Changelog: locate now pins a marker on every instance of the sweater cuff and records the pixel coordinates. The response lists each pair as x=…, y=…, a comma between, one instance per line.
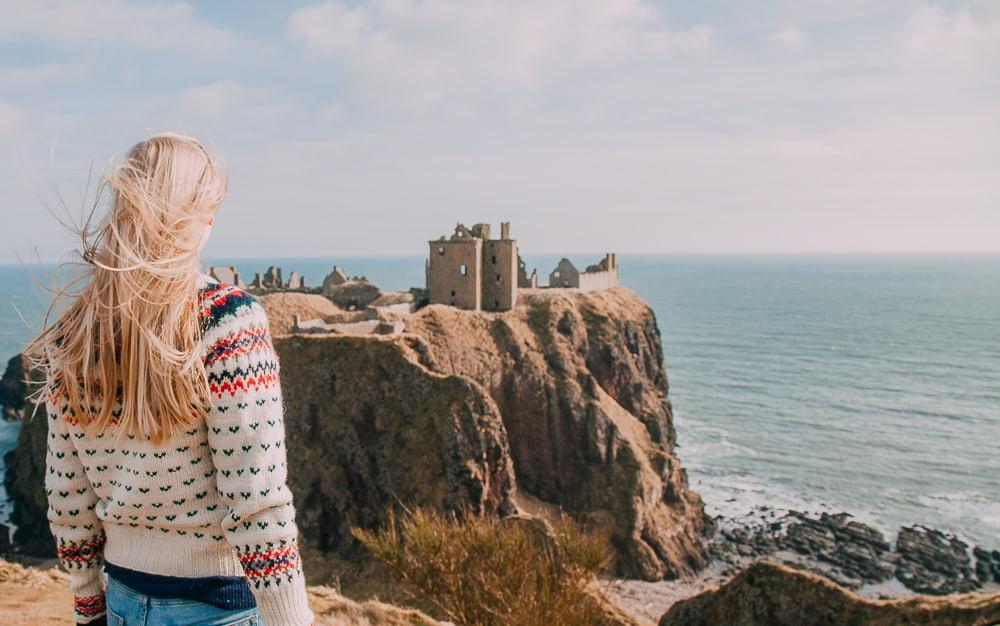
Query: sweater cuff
x=88, y=597
x=90, y=609
x=286, y=604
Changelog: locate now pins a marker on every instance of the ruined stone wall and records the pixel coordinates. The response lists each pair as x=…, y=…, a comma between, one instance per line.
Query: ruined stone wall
x=499, y=274
x=446, y=283
x=593, y=281
x=564, y=275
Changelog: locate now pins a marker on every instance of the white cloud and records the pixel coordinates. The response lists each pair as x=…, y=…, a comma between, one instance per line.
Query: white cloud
x=10, y=118
x=967, y=32
x=213, y=100
x=809, y=150
x=107, y=22
x=791, y=37
x=47, y=73
x=432, y=51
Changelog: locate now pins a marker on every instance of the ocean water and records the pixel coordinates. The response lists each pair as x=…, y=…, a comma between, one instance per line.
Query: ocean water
x=869, y=384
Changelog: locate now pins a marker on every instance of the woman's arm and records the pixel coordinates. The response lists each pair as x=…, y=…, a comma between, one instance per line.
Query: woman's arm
x=78, y=531
x=246, y=435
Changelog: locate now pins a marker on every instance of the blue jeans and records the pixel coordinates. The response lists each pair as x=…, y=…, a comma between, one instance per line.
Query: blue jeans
x=128, y=607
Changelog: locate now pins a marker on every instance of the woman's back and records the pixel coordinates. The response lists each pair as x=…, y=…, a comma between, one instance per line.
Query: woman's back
x=165, y=456
x=210, y=501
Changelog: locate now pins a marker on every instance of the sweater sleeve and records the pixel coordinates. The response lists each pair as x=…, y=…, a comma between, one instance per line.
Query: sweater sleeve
x=78, y=532
x=246, y=436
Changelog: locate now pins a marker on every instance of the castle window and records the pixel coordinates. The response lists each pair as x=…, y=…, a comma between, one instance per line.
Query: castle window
x=498, y=278
x=463, y=269
x=440, y=249
x=496, y=304
x=452, y=293
x=494, y=259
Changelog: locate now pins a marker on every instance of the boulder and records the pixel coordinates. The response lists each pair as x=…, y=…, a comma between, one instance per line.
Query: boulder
x=931, y=561
x=768, y=594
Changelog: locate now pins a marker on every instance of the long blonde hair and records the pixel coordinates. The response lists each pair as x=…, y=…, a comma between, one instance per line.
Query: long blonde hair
x=125, y=353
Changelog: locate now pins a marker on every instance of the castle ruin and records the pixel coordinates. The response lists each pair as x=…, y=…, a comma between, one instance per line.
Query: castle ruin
x=600, y=276
x=471, y=271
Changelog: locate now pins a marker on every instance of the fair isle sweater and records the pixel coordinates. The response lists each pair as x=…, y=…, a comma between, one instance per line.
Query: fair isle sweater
x=211, y=501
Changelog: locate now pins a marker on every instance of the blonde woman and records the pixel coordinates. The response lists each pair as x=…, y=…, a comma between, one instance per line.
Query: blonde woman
x=166, y=463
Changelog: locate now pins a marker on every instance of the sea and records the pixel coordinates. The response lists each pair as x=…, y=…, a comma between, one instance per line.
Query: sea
x=861, y=383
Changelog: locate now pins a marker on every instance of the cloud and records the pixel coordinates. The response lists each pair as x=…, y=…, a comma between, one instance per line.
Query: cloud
x=967, y=32
x=10, y=118
x=809, y=150
x=108, y=22
x=215, y=99
x=48, y=73
x=432, y=51
x=791, y=37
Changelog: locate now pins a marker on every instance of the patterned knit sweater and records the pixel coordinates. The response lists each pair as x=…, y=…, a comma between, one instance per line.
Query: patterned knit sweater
x=211, y=501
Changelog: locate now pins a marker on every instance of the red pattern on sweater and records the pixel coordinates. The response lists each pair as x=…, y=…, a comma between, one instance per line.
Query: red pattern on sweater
x=243, y=342
x=84, y=552
x=90, y=606
x=244, y=383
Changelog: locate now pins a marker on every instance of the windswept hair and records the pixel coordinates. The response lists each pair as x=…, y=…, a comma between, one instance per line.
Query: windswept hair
x=126, y=352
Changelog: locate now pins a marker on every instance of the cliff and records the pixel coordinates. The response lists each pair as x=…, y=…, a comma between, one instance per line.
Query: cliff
x=559, y=403
x=768, y=594
x=579, y=381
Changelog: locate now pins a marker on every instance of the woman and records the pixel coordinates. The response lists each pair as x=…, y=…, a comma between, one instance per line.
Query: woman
x=166, y=461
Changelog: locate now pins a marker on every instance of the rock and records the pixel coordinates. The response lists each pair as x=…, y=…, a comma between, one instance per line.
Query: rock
x=24, y=480
x=13, y=389
x=933, y=562
x=352, y=295
x=769, y=594
x=283, y=306
x=987, y=564
x=858, y=551
x=582, y=390
x=370, y=427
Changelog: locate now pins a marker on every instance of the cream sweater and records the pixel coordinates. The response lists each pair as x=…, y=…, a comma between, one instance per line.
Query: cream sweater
x=211, y=501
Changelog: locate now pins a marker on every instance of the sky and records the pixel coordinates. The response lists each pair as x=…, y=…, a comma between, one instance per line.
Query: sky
x=353, y=128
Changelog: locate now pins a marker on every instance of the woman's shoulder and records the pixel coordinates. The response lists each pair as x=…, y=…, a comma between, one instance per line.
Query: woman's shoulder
x=223, y=303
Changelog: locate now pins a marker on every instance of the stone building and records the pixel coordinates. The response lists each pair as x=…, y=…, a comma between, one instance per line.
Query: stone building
x=227, y=274
x=471, y=271
x=599, y=276
x=523, y=280
x=337, y=277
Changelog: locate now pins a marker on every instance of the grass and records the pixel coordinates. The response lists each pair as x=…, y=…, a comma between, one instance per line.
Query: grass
x=483, y=572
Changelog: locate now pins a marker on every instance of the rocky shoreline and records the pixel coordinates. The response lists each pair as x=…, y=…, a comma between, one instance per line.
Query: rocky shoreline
x=859, y=557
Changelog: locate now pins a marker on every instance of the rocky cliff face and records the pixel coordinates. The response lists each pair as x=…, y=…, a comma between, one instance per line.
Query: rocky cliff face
x=559, y=403
x=369, y=427
x=579, y=382
x=24, y=466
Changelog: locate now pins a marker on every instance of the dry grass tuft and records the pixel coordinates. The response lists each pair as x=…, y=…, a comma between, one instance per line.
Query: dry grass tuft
x=481, y=572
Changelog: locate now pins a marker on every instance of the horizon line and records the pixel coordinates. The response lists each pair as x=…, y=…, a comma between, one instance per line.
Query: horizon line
x=758, y=253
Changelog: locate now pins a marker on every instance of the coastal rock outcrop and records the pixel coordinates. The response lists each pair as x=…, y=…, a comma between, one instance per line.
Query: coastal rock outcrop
x=932, y=562
x=13, y=389
x=369, y=427
x=768, y=594
x=580, y=383
x=853, y=554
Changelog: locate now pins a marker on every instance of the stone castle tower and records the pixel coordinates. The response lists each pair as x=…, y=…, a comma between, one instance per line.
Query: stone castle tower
x=471, y=271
